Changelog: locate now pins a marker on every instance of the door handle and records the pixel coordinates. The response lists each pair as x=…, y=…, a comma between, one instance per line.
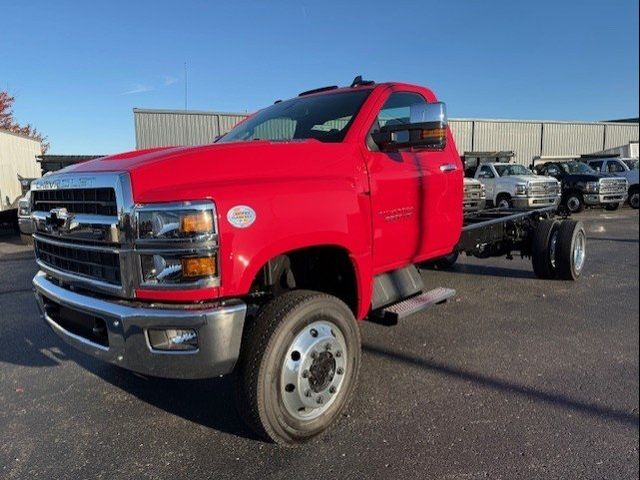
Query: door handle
x=448, y=167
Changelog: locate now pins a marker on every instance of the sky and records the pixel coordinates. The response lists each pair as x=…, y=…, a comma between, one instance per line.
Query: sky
x=77, y=69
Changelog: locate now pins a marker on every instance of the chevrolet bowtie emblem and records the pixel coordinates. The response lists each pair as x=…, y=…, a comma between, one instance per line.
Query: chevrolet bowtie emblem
x=58, y=221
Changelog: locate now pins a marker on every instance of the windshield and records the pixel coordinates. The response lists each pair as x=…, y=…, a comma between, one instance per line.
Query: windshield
x=510, y=169
x=576, y=167
x=324, y=117
x=631, y=163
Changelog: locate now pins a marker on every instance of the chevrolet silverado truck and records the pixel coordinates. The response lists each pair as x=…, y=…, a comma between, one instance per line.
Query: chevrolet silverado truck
x=259, y=254
x=620, y=167
x=581, y=185
x=512, y=185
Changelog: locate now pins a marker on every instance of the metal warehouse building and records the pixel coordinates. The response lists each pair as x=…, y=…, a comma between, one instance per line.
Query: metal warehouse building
x=17, y=157
x=527, y=138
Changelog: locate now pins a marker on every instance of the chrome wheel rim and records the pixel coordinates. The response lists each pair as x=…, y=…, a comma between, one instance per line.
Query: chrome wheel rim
x=634, y=200
x=313, y=370
x=503, y=204
x=579, y=251
x=573, y=204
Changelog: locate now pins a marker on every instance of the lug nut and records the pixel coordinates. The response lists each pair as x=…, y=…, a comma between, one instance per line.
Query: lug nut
x=314, y=332
x=327, y=346
x=340, y=371
x=305, y=374
x=338, y=354
x=332, y=390
x=307, y=393
x=319, y=400
x=313, y=355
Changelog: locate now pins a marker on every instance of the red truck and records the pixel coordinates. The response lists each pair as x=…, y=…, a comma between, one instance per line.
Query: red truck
x=259, y=253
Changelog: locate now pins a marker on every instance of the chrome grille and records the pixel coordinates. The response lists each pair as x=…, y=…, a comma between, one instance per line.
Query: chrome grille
x=613, y=186
x=473, y=192
x=99, y=264
x=96, y=201
x=544, y=189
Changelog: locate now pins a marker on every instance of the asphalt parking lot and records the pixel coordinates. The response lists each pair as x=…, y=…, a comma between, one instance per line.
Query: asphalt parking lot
x=514, y=378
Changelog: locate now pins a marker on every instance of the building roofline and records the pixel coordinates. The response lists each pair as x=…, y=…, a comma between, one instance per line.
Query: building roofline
x=463, y=119
x=20, y=135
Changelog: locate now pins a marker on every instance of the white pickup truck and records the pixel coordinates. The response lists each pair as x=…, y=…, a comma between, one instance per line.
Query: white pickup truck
x=621, y=167
x=510, y=185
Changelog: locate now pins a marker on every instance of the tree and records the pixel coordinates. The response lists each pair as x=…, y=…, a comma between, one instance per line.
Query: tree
x=7, y=122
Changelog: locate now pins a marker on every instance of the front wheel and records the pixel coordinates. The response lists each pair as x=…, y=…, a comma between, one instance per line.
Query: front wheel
x=634, y=198
x=504, y=201
x=610, y=207
x=298, y=366
x=574, y=202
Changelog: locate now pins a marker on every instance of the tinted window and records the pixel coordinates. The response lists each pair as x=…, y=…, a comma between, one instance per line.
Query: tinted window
x=615, y=167
x=509, y=169
x=486, y=172
x=596, y=165
x=325, y=117
x=397, y=110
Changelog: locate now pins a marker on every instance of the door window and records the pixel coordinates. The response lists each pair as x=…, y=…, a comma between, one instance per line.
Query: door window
x=615, y=167
x=399, y=109
x=486, y=172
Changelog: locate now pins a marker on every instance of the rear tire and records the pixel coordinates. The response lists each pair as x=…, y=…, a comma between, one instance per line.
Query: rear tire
x=543, y=249
x=574, y=202
x=298, y=366
x=610, y=207
x=571, y=250
x=444, y=263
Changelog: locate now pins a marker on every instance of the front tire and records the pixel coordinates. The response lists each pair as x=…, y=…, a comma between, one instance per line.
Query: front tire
x=504, y=201
x=574, y=202
x=634, y=198
x=298, y=366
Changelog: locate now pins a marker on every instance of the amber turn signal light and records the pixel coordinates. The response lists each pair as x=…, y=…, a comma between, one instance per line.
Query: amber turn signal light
x=200, y=222
x=198, y=266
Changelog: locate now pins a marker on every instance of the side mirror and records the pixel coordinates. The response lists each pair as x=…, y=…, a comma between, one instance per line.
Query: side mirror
x=427, y=128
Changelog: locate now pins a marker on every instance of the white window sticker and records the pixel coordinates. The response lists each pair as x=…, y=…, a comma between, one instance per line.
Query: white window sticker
x=241, y=216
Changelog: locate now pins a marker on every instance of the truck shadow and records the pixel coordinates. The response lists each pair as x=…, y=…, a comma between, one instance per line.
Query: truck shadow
x=488, y=270
x=555, y=399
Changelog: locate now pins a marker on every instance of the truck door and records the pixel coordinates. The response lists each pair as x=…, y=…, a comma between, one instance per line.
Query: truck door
x=487, y=176
x=416, y=194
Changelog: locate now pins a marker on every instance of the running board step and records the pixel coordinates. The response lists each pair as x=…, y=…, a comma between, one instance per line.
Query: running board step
x=393, y=313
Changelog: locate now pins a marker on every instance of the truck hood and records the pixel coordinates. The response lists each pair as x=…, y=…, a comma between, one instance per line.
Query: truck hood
x=176, y=173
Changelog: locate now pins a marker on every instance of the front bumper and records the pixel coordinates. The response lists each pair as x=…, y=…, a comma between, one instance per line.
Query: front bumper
x=470, y=206
x=219, y=329
x=26, y=225
x=597, y=199
x=535, y=202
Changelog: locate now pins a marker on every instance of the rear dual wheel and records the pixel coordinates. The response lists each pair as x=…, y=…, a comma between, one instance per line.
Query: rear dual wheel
x=298, y=366
x=558, y=249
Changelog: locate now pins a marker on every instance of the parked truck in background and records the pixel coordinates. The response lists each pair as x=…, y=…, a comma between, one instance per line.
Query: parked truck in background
x=511, y=185
x=581, y=185
x=258, y=254
x=620, y=167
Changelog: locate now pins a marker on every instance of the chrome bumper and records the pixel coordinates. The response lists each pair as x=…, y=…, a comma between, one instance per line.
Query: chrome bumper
x=536, y=202
x=219, y=332
x=597, y=199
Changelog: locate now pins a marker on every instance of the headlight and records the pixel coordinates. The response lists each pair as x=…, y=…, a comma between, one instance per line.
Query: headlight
x=23, y=209
x=177, y=244
x=521, y=189
x=592, y=187
x=176, y=222
x=177, y=268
